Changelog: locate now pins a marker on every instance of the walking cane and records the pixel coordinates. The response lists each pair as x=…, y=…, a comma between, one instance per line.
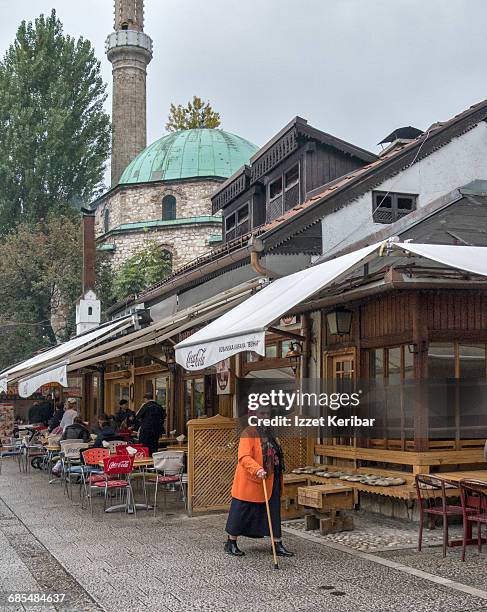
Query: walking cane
x=276, y=566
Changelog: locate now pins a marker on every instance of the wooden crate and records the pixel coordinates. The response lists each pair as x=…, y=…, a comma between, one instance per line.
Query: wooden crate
x=290, y=507
x=326, y=497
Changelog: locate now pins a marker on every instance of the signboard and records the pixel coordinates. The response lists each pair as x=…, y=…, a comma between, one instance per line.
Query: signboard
x=224, y=380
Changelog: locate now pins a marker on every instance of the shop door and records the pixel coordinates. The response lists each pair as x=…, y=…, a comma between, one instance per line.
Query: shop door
x=343, y=369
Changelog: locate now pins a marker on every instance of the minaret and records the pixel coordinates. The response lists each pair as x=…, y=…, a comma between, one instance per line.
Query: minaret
x=129, y=50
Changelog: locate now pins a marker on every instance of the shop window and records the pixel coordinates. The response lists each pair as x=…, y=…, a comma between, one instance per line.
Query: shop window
x=194, y=398
x=168, y=208
x=441, y=360
x=456, y=360
x=271, y=351
x=391, y=365
x=471, y=359
x=390, y=207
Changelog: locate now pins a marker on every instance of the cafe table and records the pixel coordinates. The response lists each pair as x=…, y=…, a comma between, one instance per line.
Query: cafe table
x=455, y=477
x=139, y=462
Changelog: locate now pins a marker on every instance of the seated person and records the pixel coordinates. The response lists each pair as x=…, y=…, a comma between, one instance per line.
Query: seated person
x=55, y=420
x=76, y=431
x=124, y=418
x=106, y=431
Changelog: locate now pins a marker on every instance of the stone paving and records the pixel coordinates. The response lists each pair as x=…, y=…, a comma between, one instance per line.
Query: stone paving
x=118, y=562
x=373, y=533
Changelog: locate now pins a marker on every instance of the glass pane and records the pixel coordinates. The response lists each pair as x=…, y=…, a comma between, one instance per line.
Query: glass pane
x=188, y=386
x=292, y=176
x=408, y=364
x=441, y=360
x=394, y=364
x=472, y=360
x=377, y=364
x=271, y=350
x=383, y=201
x=285, y=347
x=275, y=188
x=405, y=203
x=199, y=397
x=148, y=387
x=161, y=385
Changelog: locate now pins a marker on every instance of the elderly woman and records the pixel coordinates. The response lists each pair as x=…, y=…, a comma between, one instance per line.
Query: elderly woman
x=260, y=458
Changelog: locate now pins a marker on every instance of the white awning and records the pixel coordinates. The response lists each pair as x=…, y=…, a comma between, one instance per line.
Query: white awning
x=166, y=328
x=57, y=357
x=56, y=373
x=243, y=328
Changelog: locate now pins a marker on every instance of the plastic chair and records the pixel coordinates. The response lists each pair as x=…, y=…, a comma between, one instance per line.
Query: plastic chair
x=71, y=462
x=473, y=494
x=112, y=445
x=167, y=470
x=432, y=501
x=114, y=467
x=91, y=471
x=11, y=449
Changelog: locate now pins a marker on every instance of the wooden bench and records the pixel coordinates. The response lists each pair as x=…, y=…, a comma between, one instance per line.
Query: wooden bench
x=325, y=505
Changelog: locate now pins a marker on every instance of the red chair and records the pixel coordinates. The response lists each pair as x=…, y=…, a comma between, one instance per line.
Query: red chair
x=473, y=494
x=115, y=467
x=91, y=471
x=433, y=502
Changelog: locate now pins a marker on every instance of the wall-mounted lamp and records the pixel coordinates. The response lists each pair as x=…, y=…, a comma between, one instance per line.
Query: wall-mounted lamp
x=294, y=355
x=339, y=321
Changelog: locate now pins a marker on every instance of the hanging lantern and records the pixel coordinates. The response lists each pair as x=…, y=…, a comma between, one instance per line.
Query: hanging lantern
x=294, y=355
x=339, y=321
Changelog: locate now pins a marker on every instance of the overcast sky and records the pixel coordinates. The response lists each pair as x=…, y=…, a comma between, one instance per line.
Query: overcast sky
x=354, y=68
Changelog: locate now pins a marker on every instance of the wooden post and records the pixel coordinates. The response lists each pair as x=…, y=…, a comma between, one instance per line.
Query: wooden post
x=420, y=341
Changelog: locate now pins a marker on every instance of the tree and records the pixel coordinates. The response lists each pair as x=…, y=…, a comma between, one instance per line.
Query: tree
x=40, y=277
x=54, y=133
x=149, y=265
x=196, y=114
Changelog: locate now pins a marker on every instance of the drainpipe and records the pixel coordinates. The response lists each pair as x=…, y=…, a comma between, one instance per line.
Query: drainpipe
x=256, y=247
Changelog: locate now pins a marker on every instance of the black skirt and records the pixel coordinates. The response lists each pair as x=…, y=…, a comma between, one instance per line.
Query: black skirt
x=249, y=519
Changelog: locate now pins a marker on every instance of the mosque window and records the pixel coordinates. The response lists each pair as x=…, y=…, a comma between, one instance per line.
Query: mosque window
x=106, y=220
x=168, y=208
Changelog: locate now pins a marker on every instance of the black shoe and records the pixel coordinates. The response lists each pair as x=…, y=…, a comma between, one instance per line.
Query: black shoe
x=282, y=551
x=231, y=548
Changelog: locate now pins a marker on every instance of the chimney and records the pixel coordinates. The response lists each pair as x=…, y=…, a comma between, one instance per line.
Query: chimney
x=88, y=307
x=398, y=138
x=88, y=251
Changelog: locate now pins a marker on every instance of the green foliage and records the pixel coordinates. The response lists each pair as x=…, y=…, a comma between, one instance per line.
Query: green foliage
x=196, y=114
x=40, y=277
x=145, y=268
x=54, y=133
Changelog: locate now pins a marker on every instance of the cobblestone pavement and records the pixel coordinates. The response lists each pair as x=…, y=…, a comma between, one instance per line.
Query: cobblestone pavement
x=118, y=563
x=373, y=533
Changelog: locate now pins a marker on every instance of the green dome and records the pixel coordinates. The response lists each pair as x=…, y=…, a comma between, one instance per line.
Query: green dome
x=188, y=154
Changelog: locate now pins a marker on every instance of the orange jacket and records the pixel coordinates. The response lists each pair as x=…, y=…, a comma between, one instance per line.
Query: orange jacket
x=246, y=485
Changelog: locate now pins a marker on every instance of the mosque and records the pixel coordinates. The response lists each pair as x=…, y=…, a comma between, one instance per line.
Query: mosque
x=162, y=191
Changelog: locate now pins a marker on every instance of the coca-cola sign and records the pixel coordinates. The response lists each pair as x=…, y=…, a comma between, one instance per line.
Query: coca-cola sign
x=121, y=464
x=196, y=359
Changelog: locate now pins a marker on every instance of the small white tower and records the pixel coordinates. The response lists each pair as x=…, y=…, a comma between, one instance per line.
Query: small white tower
x=88, y=307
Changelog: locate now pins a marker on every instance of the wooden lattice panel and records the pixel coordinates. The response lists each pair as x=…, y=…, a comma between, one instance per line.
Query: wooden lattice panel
x=212, y=458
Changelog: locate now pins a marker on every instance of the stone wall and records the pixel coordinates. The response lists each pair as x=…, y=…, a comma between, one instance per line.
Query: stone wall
x=185, y=243
x=140, y=203
x=136, y=203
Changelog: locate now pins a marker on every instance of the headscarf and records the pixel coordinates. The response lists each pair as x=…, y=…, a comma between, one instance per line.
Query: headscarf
x=272, y=454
